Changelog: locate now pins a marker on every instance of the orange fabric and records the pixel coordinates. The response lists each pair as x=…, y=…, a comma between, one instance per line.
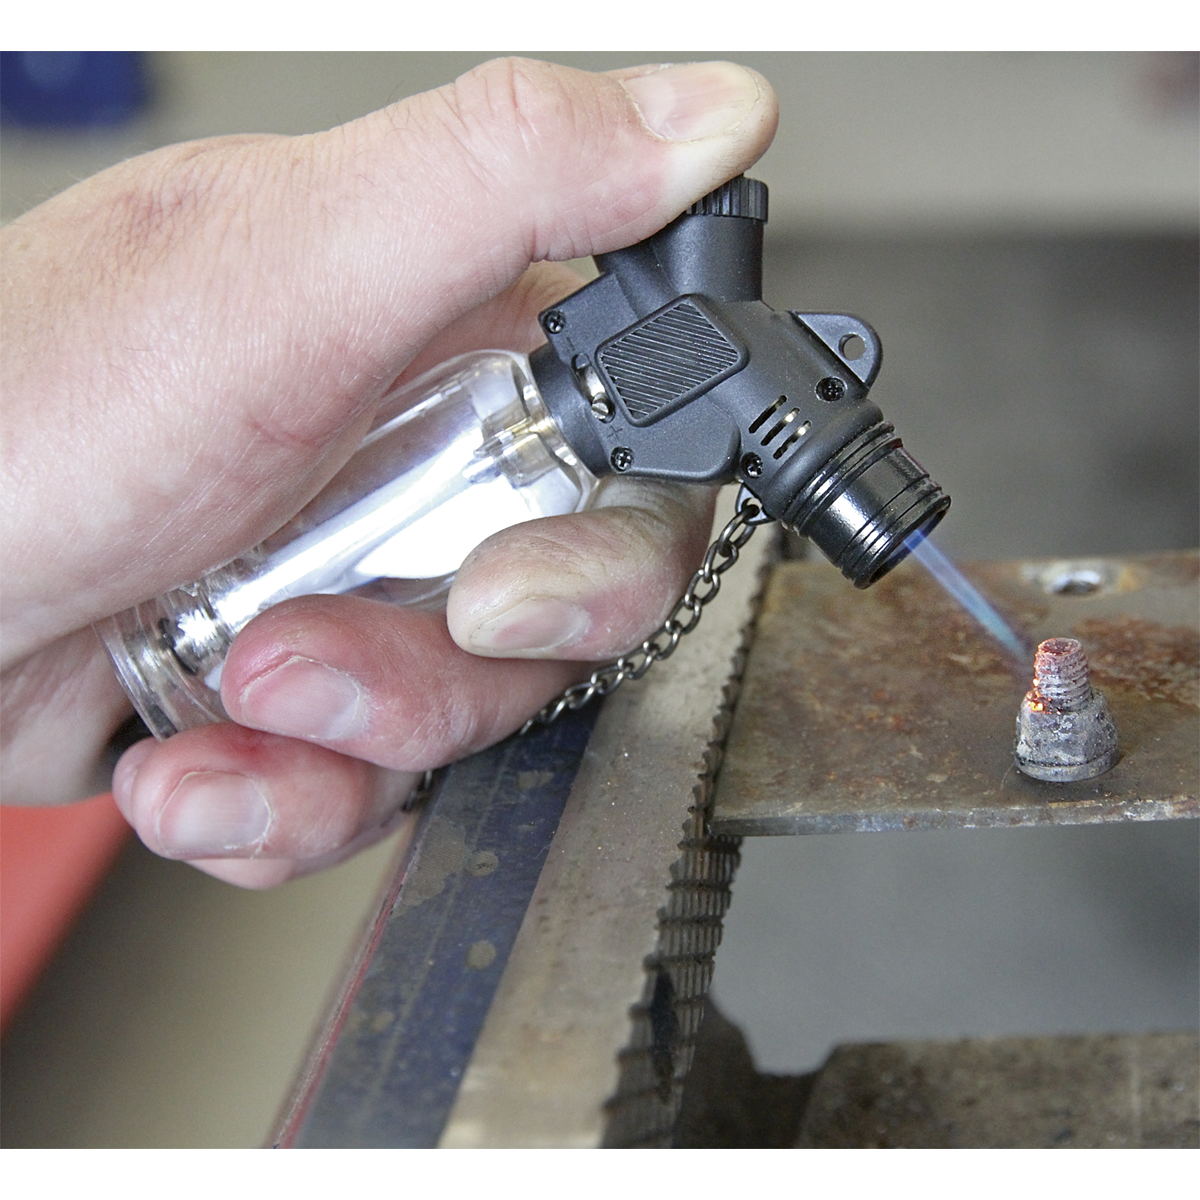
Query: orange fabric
x=51, y=860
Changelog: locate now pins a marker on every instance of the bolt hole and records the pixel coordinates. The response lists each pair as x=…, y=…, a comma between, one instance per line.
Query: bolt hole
x=1076, y=583
x=852, y=347
x=752, y=466
x=831, y=389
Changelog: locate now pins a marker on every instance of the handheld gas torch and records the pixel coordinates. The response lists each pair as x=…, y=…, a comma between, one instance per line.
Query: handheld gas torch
x=668, y=366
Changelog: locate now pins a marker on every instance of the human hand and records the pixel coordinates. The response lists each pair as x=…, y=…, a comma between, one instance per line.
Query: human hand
x=196, y=341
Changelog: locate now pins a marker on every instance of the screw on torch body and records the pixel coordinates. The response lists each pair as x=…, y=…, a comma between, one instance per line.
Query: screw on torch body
x=1065, y=731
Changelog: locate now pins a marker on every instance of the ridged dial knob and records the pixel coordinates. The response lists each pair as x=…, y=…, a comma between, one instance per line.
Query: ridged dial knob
x=740, y=197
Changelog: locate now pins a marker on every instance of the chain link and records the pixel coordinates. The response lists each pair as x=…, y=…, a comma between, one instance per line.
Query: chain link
x=705, y=585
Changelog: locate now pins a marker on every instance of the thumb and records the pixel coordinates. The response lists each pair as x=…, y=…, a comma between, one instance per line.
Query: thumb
x=518, y=161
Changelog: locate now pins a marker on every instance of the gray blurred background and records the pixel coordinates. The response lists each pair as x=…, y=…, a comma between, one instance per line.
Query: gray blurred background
x=1022, y=231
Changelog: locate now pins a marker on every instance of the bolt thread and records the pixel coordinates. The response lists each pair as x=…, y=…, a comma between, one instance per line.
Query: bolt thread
x=1060, y=675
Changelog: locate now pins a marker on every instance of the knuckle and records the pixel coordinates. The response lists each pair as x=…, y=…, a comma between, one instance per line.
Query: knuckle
x=513, y=119
x=507, y=103
x=442, y=731
x=160, y=202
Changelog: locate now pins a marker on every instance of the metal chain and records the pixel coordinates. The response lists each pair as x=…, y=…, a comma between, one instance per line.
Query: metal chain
x=705, y=585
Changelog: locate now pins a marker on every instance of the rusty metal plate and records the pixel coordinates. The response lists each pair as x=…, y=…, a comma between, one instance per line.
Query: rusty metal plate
x=891, y=709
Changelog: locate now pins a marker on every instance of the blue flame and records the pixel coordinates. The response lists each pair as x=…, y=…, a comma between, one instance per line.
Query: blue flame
x=965, y=592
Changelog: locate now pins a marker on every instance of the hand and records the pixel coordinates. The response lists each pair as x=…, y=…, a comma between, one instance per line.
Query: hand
x=195, y=342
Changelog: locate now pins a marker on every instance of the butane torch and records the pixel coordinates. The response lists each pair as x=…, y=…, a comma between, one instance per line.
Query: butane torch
x=667, y=366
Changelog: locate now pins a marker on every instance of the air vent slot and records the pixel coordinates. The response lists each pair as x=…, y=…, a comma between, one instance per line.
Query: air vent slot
x=790, y=422
x=780, y=426
x=766, y=413
x=792, y=439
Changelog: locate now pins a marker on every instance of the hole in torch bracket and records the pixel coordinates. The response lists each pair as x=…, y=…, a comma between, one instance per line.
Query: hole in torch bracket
x=852, y=347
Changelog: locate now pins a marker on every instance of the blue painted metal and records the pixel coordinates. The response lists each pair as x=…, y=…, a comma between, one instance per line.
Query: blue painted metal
x=387, y=1070
x=73, y=89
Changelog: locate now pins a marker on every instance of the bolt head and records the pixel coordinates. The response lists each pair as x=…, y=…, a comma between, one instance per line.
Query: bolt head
x=831, y=389
x=554, y=321
x=621, y=458
x=752, y=466
x=1065, y=747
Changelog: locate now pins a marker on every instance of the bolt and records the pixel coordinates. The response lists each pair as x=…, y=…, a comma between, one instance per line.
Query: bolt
x=591, y=383
x=752, y=466
x=1064, y=731
x=554, y=321
x=831, y=389
x=621, y=458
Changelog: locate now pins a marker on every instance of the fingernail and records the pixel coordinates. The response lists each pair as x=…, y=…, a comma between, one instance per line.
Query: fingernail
x=213, y=813
x=126, y=771
x=694, y=100
x=532, y=625
x=305, y=699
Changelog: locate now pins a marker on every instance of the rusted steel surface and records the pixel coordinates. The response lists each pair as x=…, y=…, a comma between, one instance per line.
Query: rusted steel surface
x=890, y=709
